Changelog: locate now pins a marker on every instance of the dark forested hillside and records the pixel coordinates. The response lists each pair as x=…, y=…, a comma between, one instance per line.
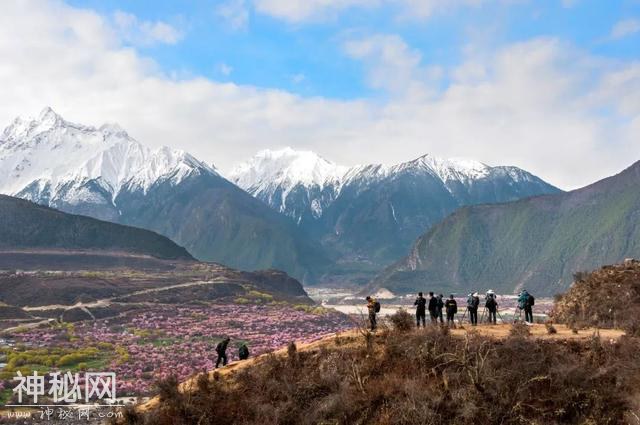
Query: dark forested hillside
x=24, y=224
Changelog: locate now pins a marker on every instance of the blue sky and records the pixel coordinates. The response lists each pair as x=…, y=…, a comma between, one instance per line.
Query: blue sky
x=306, y=56
x=552, y=86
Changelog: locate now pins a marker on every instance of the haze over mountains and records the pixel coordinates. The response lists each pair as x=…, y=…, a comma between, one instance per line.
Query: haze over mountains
x=537, y=243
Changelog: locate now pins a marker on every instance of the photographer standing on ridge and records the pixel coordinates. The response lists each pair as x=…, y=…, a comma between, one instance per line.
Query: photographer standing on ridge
x=452, y=308
x=526, y=301
x=491, y=305
x=421, y=306
x=374, y=307
x=472, y=305
x=433, y=308
x=440, y=307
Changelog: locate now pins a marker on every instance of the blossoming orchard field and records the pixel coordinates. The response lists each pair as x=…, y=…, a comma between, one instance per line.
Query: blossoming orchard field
x=144, y=346
x=144, y=321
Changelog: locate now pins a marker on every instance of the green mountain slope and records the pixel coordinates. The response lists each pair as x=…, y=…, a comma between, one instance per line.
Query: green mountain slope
x=537, y=243
x=24, y=224
x=217, y=221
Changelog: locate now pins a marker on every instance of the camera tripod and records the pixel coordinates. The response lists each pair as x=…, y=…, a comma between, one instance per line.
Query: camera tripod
x=497, y=313
x=517, y=315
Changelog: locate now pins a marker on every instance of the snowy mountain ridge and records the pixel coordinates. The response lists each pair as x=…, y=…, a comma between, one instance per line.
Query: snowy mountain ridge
x=371, y=214
x=273, y=175
x=50, y=157
x=286, y=167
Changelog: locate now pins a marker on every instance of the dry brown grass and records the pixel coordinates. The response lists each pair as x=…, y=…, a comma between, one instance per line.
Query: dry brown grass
x=422, y=377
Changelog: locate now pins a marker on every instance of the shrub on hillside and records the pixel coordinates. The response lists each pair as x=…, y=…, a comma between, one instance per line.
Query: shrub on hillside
x=519, y=330
x=606, y=298
x=402, y=320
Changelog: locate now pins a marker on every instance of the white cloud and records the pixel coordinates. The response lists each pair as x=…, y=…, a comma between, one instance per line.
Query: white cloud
x=303, y=10
x=235, y=12
x=625, y=28
x=536, y=104
x=144, y=33
x=313, y=10
x=394, y=66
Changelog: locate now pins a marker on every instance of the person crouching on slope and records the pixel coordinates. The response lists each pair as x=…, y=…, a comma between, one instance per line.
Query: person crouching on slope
x=221, y=350
x=374, y=307
x=421, y=306
x=243, y=352
x=451, y=306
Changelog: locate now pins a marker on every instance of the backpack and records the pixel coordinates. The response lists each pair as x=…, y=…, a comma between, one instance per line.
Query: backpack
x=491, y=302
x=476, y=302
x=376, y=307
x=531, y=301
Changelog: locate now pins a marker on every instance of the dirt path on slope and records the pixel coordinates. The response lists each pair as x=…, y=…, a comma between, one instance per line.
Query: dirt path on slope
x=499, y=331
x=105, y=302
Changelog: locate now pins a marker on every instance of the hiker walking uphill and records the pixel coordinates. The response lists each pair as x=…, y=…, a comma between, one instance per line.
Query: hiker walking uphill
x=526, y=301
x=421, y=307
x=491, y=305
x=433, y=308
x=451, y=306
x=374, y=308
x=440, y=307
x=473, y=301
x=221, y=350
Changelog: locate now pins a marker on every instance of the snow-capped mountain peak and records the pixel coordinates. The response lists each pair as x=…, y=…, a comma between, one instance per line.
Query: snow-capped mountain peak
x=448, y=169
x=23, y=127
x=286, y=167
x=300, y=184
x=58, y=154
x=278, y=175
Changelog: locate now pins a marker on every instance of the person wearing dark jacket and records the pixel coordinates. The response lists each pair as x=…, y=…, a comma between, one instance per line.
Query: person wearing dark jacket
x=371, y=307
x=525, y=302
x=221, y=350
x=440, y=308
x=243, y=352
x=472, y=305
x=491, y=305
x=433, y=308
x=451, y=306
x=421, y=306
